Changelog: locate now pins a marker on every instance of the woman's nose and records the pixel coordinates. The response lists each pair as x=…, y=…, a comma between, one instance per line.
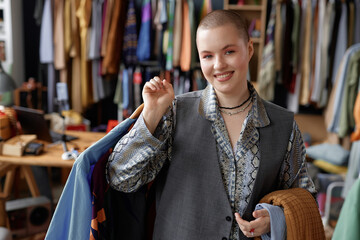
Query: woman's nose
x=219, y=63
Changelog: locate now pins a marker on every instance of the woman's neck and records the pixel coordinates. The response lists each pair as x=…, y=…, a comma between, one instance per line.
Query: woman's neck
x=233, y=100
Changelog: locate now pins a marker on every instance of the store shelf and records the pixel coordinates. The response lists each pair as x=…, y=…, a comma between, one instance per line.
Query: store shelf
x=246, y=7
x=256, y=40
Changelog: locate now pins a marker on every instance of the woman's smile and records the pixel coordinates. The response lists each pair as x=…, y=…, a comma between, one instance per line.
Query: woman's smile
x=222, y=77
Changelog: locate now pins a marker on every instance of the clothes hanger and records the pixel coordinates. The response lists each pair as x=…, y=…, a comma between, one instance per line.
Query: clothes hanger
x=137, y=112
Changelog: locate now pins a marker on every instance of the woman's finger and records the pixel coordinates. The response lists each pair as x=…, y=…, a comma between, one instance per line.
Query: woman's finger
x=155, y=83
x=150, y=85
x=241, y=221
x=245, y=226
x=251, y=233
x=261, y=213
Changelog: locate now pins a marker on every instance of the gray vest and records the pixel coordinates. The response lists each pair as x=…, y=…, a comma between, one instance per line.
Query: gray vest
x=191, y=199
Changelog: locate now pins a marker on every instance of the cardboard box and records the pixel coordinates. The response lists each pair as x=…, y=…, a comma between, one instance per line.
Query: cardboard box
x=15, y=146
x=5, y=129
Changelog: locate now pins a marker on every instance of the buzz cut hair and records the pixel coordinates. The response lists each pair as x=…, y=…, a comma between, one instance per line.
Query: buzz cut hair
x=222, y=17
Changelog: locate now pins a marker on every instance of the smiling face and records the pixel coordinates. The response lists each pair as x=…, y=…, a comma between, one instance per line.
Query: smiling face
x=224, y=58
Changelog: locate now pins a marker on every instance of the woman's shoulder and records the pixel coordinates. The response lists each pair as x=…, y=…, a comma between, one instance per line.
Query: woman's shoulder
x=278, y=114
x=272, y=107
x=188, y=103
x=189, y=95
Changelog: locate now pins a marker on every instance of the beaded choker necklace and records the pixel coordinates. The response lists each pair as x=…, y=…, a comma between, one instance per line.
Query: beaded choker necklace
x=242, y=104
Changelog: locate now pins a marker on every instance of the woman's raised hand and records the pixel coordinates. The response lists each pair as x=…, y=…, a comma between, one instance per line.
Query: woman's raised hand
x=158, y=96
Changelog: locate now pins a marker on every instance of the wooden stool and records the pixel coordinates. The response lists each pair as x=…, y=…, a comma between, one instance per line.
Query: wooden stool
x=9, y=170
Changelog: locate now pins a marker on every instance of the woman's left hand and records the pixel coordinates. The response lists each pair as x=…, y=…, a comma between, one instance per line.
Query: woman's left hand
x=257, y=227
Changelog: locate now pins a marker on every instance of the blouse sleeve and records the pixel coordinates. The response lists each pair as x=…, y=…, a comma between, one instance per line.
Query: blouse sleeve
x=294, y=170
x=139, y=156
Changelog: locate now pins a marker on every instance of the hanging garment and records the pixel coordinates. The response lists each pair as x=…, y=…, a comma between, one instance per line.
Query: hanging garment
x=108, y=8
x=266, y=81
x=170, y=39
x=287, y=64
x=321, y=44
x=130, y=36
x=111, y=61
x=95, y=30
x=130, y=107
x=353, y=168
x=143, y=51
x=323, y=68
x=160, y=20
x=314, y=30
x=333, y=111
x=116, y=215
x=351, y=86
x=341, y=42
x=356, y=134
x=118, y=95
x=278, y=36
x=47, y=52
x=83, y=13
x=206, y=7
x=46, y=35
x=193, y=27
x=38, y=11
x=351, y=22
x=306, y=59
x=357, y=22
x=334, y=31
x=75, y=54
x=118, y=89
x=137, y=80
x=67, y=29
x=125, y=88
x=73, y=211
x=347, y=226
x=293, y=98
x=178, y=26
x=51, y=82
x=59, y=53
x=94, y=50
x=185, y=55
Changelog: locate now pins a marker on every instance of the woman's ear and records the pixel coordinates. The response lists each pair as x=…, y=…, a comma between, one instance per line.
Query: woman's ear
x=250, y=49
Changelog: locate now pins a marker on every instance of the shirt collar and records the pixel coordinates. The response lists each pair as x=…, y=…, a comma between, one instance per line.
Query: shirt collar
x=208, y=107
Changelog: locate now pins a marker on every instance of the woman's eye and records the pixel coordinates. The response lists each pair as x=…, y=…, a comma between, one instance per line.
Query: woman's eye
x=207, y=56
x=229, y=52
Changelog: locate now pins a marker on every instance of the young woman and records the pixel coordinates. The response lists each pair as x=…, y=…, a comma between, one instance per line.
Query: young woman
x=213, y=153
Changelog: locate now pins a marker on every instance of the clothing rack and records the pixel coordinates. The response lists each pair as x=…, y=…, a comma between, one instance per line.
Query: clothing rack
x=315, y=38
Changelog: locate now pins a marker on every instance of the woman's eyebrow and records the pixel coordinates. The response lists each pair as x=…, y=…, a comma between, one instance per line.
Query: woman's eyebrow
x=227, y=46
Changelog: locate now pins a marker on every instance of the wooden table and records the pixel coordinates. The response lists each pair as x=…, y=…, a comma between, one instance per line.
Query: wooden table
x=51, y=157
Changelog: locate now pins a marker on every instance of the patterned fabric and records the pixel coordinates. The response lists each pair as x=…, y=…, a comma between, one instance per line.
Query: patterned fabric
x=130, y=36
x=144, y=155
